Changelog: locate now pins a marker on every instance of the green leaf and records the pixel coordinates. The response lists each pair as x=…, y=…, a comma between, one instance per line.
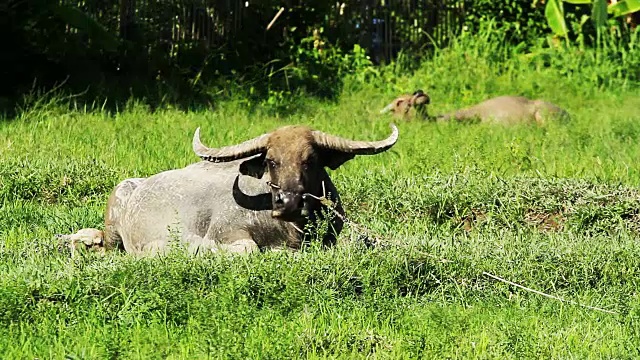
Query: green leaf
x=624, y=7
x=578, y=2
x=584, y=19
x=599, y=13
x=555, y=17
x=76, y=18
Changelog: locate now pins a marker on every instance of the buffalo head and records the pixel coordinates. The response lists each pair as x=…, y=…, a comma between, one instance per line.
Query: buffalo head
x=401, y=105
x=294, y=158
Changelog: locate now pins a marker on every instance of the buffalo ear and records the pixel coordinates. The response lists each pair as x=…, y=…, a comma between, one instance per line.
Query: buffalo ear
x=333, y=159
x=254, y=167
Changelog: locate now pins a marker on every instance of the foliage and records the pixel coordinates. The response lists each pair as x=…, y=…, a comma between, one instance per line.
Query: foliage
x=318, y=67
x=522, y=20
x=179, y=53
x=554, y=12
x=94, y=51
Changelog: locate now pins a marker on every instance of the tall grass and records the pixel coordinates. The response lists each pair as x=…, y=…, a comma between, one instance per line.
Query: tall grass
x=553, y=207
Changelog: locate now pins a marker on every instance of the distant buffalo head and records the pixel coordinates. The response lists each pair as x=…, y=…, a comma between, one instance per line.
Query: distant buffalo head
x=294, y=157
x=401, y=105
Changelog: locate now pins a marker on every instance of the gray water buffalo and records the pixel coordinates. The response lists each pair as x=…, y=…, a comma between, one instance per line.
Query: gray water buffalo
x=403, y=105
x=507, y=110
x=261, y=193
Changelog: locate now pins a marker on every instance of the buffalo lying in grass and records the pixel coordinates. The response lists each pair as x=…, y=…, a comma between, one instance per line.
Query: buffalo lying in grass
x=508, y=110
x=261, y=193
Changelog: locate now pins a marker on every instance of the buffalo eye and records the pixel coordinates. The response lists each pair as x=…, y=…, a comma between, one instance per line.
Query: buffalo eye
x=272, y=163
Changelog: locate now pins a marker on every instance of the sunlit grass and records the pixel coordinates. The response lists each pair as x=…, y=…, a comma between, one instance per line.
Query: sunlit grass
x=555, y=208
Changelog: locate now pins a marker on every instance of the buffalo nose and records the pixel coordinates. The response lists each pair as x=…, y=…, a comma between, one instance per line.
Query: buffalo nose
x=288, y=201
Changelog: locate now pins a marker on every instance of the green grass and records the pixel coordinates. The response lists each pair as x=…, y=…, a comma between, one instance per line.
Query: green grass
x=555, y=208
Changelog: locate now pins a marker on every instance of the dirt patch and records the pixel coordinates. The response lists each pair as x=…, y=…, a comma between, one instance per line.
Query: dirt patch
x=545, y=222
x=474, y=219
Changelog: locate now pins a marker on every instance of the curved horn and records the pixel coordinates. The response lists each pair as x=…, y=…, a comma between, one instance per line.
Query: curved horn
x=355, y=147
x=231, y=152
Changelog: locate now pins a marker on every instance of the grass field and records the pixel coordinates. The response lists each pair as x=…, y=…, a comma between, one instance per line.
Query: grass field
x=555, y=208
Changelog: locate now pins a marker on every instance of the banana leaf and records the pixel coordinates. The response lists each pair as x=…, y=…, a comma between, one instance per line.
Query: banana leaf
x=599, y=13
x=555, y=17
x=624, y=7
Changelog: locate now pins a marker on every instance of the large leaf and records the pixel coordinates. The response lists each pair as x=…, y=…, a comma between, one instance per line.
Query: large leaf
x=555, y=17
x=74, y=17
x=624, y=7
x=578, y=2
x=599, y=13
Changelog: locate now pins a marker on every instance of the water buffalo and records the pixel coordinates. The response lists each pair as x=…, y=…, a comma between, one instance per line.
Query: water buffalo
x=507, y=110
x=402, y=105
x=261, y=193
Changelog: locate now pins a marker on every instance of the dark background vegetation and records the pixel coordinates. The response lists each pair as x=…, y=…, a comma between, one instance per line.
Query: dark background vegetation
x=191, y=53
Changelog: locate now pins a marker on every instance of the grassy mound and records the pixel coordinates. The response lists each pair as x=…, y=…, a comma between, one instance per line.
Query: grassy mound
x=555, y=208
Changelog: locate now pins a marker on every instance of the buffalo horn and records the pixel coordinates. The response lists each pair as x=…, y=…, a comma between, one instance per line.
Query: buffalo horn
x=355, y=147
x=231, y=152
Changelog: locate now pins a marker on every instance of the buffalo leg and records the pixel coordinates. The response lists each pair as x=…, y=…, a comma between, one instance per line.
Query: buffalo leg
x=114, y=211
x=238, y=241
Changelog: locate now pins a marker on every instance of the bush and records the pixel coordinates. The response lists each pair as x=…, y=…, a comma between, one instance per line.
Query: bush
x=522, y=20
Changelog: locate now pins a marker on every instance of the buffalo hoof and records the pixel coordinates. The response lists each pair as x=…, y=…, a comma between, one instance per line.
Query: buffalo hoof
x=85, y=239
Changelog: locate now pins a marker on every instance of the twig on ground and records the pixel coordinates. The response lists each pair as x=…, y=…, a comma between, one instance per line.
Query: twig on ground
x=547, y=295
x=275, y=18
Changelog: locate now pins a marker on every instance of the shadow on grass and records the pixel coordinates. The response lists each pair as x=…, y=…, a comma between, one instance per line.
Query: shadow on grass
x=111, y=91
